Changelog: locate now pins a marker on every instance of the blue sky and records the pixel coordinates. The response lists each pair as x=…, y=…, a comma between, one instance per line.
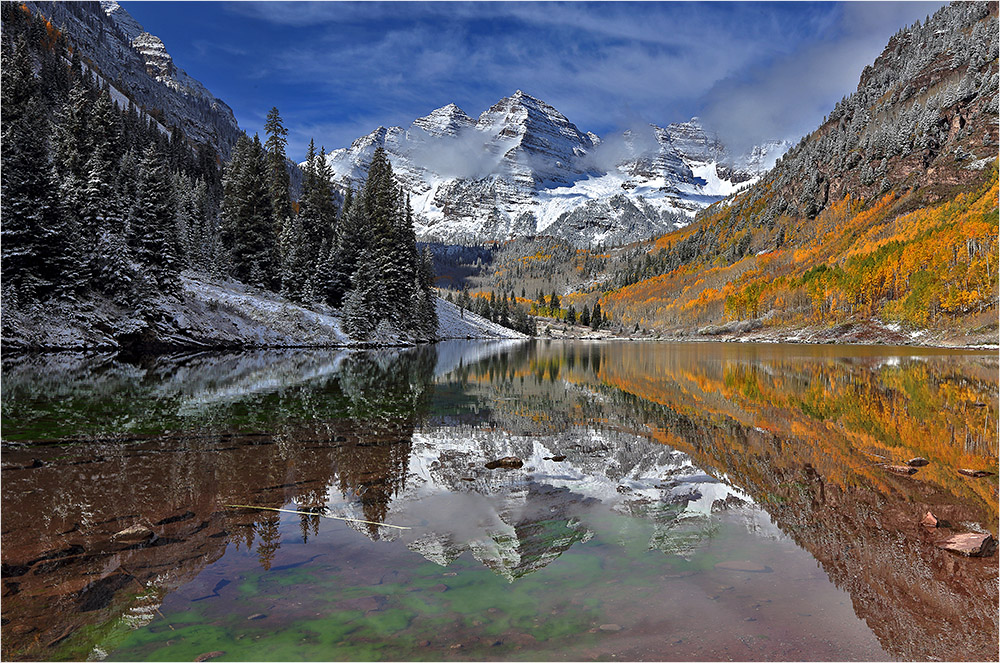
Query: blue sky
x=337, y=70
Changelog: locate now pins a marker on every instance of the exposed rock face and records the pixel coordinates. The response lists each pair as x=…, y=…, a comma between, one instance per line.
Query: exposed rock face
x=524, y=169
x=924, y=116
x=138, y=67
x=972, y=544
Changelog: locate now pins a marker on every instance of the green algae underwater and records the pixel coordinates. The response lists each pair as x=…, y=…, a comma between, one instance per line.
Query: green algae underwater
x=675, y=502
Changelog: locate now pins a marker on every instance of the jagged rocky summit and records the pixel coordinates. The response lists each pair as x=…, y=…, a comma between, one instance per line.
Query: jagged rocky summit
x=522, y=169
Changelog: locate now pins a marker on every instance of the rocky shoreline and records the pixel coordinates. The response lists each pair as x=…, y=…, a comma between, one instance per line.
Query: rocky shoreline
x=855, y=333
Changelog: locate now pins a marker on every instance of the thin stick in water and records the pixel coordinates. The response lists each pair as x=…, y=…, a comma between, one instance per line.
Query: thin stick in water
x=310, y=513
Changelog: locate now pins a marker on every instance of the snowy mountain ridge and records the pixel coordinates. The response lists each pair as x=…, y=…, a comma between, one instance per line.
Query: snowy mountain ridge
x=522, y=168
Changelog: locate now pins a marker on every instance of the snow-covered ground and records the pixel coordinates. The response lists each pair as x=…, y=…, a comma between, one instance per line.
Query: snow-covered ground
x=210, y=313
x=453, y=324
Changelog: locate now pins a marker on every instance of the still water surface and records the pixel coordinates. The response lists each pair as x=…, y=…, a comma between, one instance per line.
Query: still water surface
x=676, y=502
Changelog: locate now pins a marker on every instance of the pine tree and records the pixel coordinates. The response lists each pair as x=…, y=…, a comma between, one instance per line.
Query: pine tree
x=585, y=316
x=396, y=293
x=34, y=240
x=317, y=220
x=278, y=180
x=596, y=319
x=363, y=303
x=428, y=299
x=294, y=267
x=70, y=145
x=153, y=223
x=248, y=230
x=349, y=243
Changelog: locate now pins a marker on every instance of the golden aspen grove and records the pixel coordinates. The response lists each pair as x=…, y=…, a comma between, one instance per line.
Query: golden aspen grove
x=926, y=267
x=883, y=218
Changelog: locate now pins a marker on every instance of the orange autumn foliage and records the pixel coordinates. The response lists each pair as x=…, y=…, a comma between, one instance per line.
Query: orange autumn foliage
x=920, y=268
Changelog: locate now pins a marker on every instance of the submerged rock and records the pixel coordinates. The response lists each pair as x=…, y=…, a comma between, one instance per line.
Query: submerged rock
x=974, y=473
x=610, y=627
x=898, y=469
x=133, y=534
x=508, y=463
x=972, y=544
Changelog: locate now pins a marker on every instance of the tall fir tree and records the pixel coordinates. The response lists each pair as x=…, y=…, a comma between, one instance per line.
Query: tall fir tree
x=278, y=181
x=349, y=244
x=153, y=223
x=248, y=216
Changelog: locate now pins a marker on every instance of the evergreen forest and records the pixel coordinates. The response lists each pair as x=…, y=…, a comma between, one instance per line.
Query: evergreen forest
x=101, y=200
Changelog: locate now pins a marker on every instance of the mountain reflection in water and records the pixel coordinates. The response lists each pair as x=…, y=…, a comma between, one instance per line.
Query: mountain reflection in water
x=687, y=442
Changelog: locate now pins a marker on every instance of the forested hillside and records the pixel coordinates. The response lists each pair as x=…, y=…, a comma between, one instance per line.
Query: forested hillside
x=886, y=213
x=105, y=208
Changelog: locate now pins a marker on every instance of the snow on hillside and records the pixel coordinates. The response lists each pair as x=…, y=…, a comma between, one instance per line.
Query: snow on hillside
x=211, y=313
x=454, y=324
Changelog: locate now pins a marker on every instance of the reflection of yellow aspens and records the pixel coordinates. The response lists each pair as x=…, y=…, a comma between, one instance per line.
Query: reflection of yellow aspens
x=843, y=416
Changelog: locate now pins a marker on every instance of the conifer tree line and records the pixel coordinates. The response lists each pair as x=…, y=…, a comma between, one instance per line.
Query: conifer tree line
x=96, y=197
x=361, y=257
x=100, y=198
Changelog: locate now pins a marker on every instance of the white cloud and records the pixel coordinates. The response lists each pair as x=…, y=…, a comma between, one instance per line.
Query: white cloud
x=752, y=70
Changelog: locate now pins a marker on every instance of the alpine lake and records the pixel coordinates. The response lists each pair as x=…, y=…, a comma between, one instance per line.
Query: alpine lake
x=660, y=501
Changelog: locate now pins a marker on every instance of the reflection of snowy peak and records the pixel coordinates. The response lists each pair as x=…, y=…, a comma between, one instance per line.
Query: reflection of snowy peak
x=515, y=521
x=523, y=169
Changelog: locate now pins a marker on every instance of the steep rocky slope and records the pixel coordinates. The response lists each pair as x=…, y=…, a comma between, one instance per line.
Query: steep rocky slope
x=886, y=213
x=137, y=64
x=524, y=169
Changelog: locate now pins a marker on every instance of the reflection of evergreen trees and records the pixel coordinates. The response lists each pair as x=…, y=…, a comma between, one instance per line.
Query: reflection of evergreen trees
x=268, y=390
x=385, y=392
x=364, y=452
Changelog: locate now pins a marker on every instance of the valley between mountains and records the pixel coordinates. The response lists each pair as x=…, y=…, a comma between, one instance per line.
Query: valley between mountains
x=880, y=226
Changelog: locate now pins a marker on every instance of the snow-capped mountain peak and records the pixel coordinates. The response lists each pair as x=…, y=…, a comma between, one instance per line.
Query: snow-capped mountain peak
x=544, y=139
x=523, y=168
x=445, y=121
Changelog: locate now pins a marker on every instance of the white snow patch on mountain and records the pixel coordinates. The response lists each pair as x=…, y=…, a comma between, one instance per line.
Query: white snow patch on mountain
x=523, y=169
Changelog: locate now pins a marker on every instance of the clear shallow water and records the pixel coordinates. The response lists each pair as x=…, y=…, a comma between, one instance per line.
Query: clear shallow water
x=714, y=502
